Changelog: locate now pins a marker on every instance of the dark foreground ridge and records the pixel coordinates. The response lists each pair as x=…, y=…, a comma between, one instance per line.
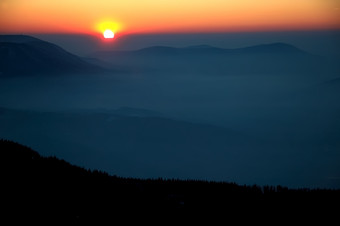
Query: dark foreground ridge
x=46, y=189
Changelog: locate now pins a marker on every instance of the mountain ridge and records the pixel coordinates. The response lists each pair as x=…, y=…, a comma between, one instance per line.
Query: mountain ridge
x=19, y=39
x=26, y=55
x=274, y=58
x=62, y=192
x=277, y=47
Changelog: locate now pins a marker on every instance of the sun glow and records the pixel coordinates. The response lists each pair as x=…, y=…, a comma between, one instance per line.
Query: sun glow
x=108, y=28
x=108, y=34
x=154, y=16
x=108, y=25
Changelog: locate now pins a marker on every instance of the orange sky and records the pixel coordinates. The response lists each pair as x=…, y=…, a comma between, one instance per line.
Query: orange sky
x=159, y=16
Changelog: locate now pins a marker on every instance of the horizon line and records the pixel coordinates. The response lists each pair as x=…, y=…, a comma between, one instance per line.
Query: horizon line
x=173, y=32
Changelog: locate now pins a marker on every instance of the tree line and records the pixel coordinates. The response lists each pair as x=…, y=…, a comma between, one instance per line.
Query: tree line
x=37, y=188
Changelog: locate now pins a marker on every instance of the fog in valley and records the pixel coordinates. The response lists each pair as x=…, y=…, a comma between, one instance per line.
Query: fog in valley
x=266, y=114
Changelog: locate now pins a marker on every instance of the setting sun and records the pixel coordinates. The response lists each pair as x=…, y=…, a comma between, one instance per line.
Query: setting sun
x=167, y=16
x=108, y=34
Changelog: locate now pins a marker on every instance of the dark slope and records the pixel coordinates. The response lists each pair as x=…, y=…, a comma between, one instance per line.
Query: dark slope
x=25, y=55
x=18, y=39
x=46, y=189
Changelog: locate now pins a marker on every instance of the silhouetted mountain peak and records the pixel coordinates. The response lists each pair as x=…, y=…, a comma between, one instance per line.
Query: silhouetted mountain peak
x=24, y=55
x=272, y=48
x=18, y=39
x=277, y=47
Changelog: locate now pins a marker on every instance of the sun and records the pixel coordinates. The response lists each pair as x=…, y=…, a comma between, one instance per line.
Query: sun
x=108, y=34
x=108, y=28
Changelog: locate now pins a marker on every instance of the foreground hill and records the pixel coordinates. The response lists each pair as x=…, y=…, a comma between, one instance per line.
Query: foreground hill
x=26, y=55
x=47, y=189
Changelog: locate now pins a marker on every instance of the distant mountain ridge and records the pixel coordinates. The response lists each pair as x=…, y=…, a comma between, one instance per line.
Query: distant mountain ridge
x=277, y=48
x=273, y=58
x=26, y=55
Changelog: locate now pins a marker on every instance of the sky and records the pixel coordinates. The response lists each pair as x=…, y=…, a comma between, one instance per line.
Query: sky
x=167, y=16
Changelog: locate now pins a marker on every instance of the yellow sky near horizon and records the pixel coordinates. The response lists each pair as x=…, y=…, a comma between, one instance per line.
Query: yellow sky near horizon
x=160, y=16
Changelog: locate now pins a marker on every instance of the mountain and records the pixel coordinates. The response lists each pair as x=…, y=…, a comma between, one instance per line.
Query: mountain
x=18, y=39
x=26, y=55
x=47, y=189
x=139, y=143
x=128, y=141
x=273, y=58
x=273, y=48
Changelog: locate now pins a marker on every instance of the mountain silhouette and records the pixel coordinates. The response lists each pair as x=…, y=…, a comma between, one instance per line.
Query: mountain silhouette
x=18, y=38
x=273, y=58
x=26, y=55
x=273, y=48
x=47, y=189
